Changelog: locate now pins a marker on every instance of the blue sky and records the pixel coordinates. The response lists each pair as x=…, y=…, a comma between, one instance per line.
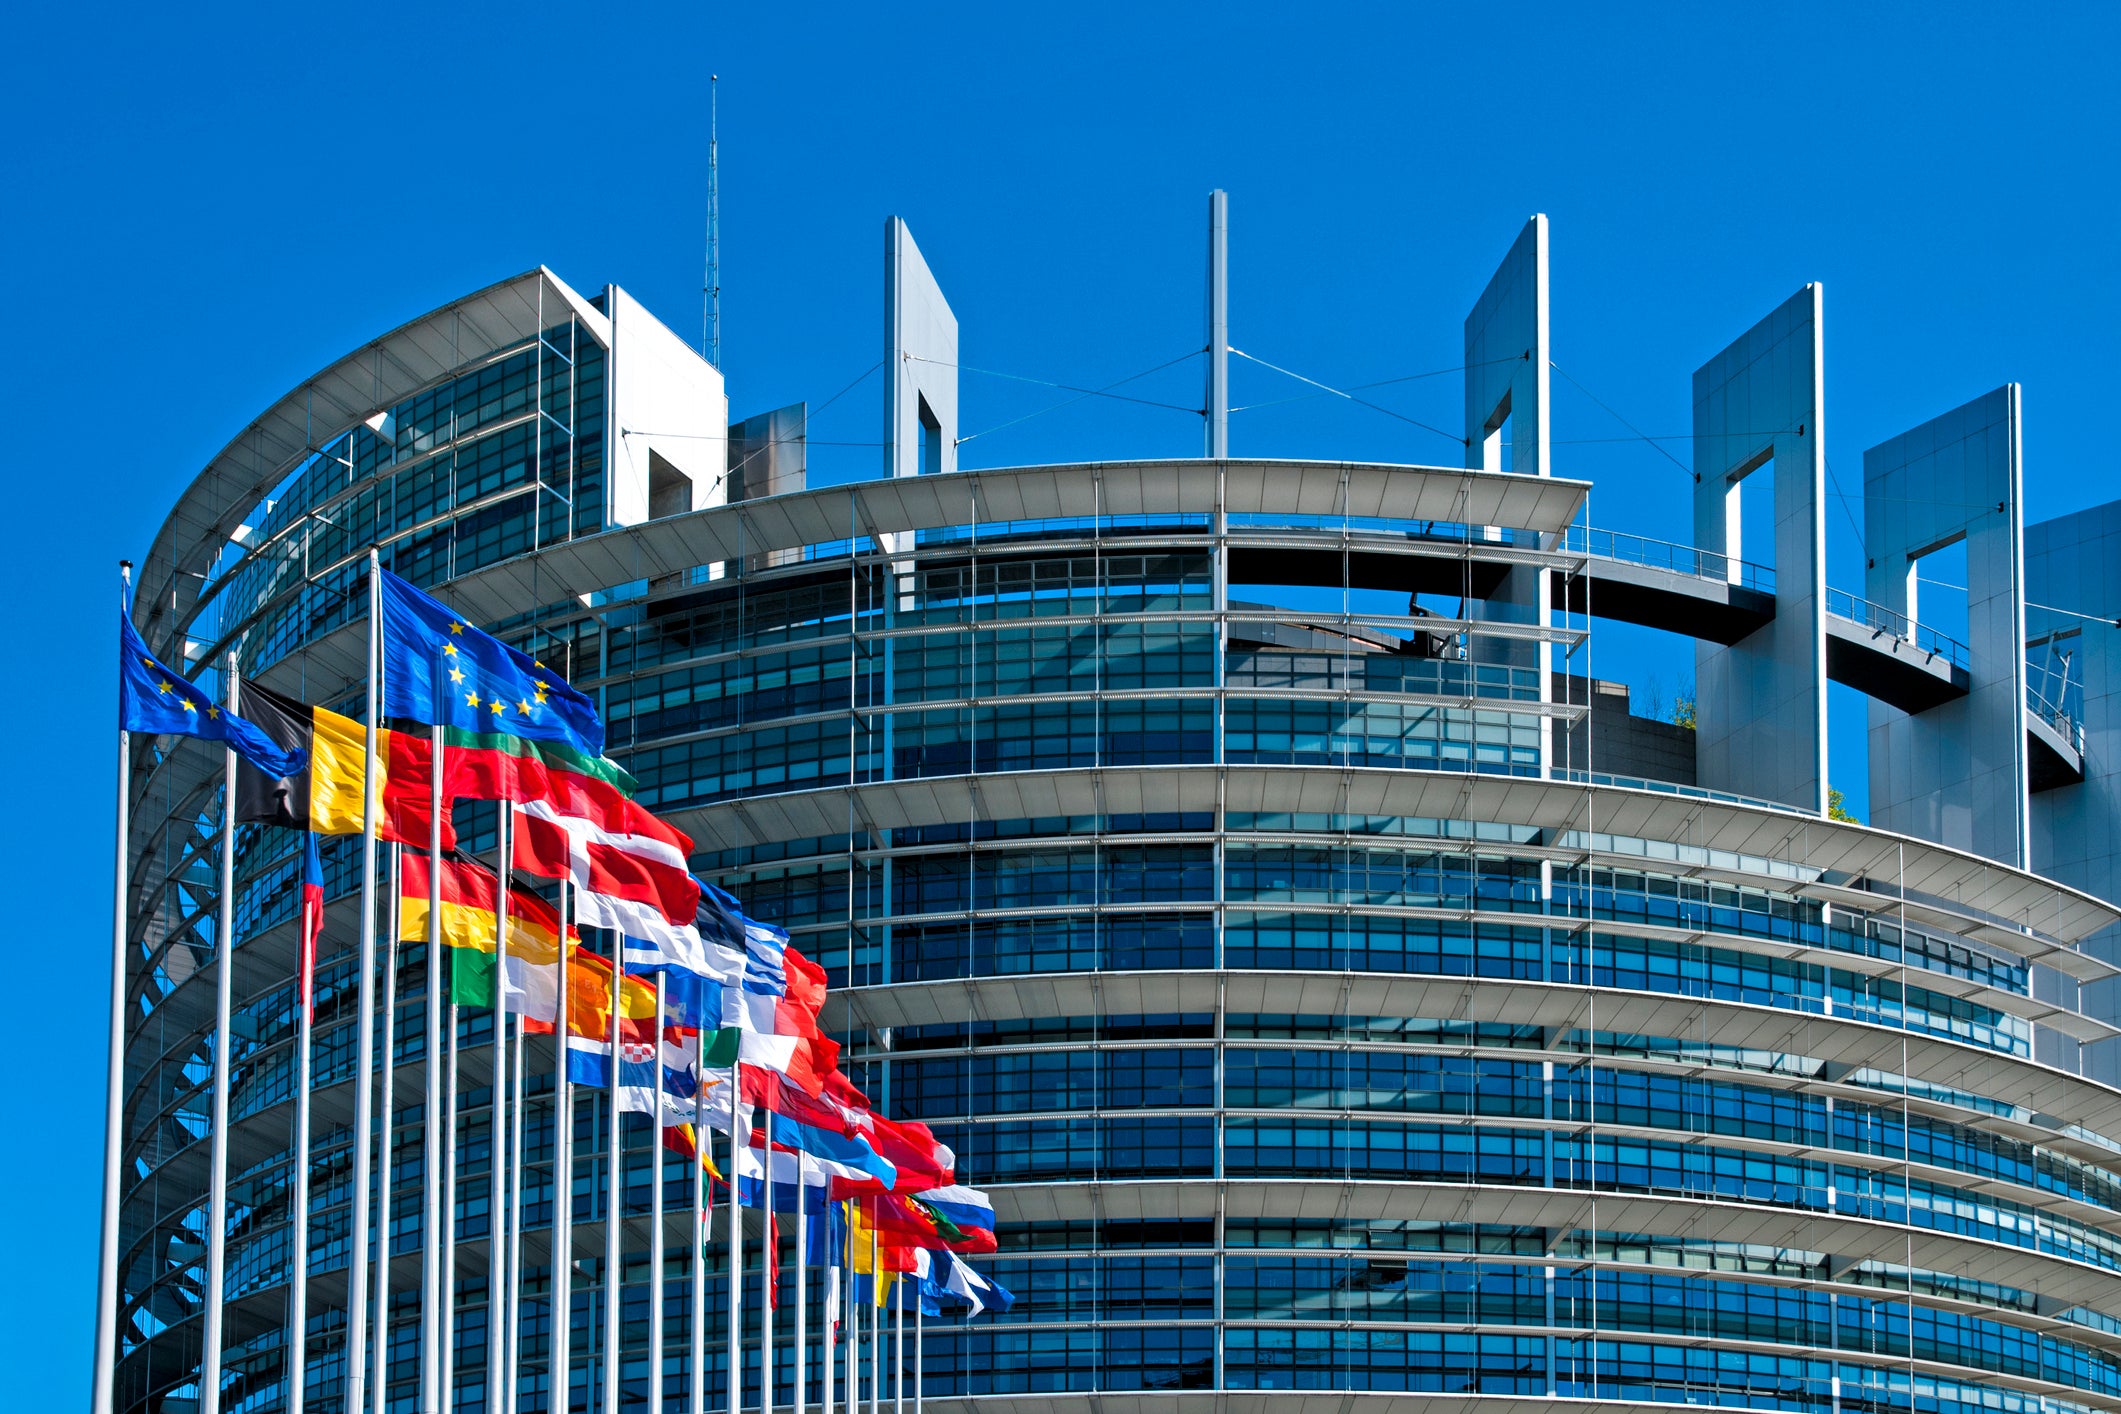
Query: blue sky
x=205, y=207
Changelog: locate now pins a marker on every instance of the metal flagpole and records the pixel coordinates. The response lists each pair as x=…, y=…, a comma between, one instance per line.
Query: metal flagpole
x=802, y=1289
x=877, y=1328
x=696, y=1401
x=518, y=1122
x=898, y=1348
x=448, y=1363
x=655, y=1209
x=298, y=1282
x=559, y=1378
x=736, y=1238
x=497, y=1141
x=364, y=1025
x=102, y=1393
x=769, y=1265
x=828, y=1314
x=381, y=1376
x=224, y=992
x=918, y=1310
x=434, y=1327
x=854, y=1330
x=613, y=1215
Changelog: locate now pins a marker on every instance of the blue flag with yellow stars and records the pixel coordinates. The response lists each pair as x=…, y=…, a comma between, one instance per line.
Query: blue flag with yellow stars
x=153, y=697
x=440, y=670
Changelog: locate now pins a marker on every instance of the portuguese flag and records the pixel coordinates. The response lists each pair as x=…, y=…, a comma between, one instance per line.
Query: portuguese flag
x=324, y=797
x=527, y=979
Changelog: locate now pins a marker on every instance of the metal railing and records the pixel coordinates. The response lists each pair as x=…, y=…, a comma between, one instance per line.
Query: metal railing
x=1879, y=619
x=2053, y=695
x=1668, y=555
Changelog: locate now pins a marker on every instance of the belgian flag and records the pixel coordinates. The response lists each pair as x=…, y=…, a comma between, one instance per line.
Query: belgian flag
x=324, y=797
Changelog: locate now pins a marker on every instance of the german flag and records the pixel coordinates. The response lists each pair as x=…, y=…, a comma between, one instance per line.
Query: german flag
x=529, y=983
x=325, y=796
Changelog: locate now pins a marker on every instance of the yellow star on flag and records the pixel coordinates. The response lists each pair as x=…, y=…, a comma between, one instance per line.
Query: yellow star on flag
x=187, y=704
x=449, y=650
x=455, y=628
x=456, y=675
x=523, y=707
x=165, y=688
x=214, y=712
x=496, y=704
x=471, y=699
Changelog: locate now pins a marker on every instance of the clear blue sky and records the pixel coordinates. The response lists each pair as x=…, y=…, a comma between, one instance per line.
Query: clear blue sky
x=205, y=206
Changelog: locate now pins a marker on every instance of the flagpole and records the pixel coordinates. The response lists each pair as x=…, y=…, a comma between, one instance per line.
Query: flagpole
x=224, y=992
x=102, y=1393
x=828, y=1314
x=297, y=1360
x=876, y=1326
x=433, y=1323
x=381, y=1377
x=613, y=1190
x=769, y=1267
x=447, y=1372
x=696, y=1401
x=898, y=1348
x=919, y=1310
x=497, y=1143
x=655, y=1209
x=802, y=1289
x=853, y=1357
x=518, y=1122
x=364, y=1025
x=559, y=1376
x=736, y=1236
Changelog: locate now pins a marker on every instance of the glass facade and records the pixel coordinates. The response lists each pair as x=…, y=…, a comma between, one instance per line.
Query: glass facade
x=1275, y=1092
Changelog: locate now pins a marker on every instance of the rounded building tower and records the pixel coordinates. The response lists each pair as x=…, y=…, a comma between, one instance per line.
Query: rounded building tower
x=1216, y=853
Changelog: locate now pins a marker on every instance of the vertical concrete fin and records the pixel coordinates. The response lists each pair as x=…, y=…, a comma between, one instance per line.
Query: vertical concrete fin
x=1507, y=364
x=669, y=419
x=1762, y=701
x=1507, y=360
x=920, y=362
x=1955, y=773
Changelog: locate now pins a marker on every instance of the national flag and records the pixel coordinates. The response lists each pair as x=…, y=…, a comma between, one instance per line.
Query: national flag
x=529, y=982
x=967, y=1212
x=493, y=765
x=981, y=1293
x=641, y=1052
x=153, y=697
x=646, y=867
x=312, y=921
x=684, y=1139
x=803, y=1123
x=804, y=1061
x=438, y=668
x=919, y=1159
x=901, y=1221
x=324, y=794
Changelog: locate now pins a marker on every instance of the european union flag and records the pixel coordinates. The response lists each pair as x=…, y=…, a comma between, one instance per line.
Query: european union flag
x=440, y=670
x=154, y=697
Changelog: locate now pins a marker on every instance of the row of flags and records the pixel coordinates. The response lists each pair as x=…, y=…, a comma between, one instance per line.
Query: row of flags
x=739, y=1049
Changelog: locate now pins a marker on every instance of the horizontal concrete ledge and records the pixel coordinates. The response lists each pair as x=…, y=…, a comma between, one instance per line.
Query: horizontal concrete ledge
x=1835, y=851
x=1843, y=1044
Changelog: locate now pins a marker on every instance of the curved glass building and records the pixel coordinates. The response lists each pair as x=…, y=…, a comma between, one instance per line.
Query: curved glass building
x=1341, y=995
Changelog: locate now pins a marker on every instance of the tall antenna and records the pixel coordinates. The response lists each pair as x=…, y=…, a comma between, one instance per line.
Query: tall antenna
x=711, y=287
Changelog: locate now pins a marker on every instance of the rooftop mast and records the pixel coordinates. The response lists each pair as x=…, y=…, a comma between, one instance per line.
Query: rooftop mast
x=711, y=286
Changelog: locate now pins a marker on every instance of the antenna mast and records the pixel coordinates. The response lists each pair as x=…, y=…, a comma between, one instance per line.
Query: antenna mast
x=711, y=286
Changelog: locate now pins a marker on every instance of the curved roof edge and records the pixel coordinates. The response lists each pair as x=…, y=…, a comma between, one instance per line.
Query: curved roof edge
x=378, y=374
x=1813, y=842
